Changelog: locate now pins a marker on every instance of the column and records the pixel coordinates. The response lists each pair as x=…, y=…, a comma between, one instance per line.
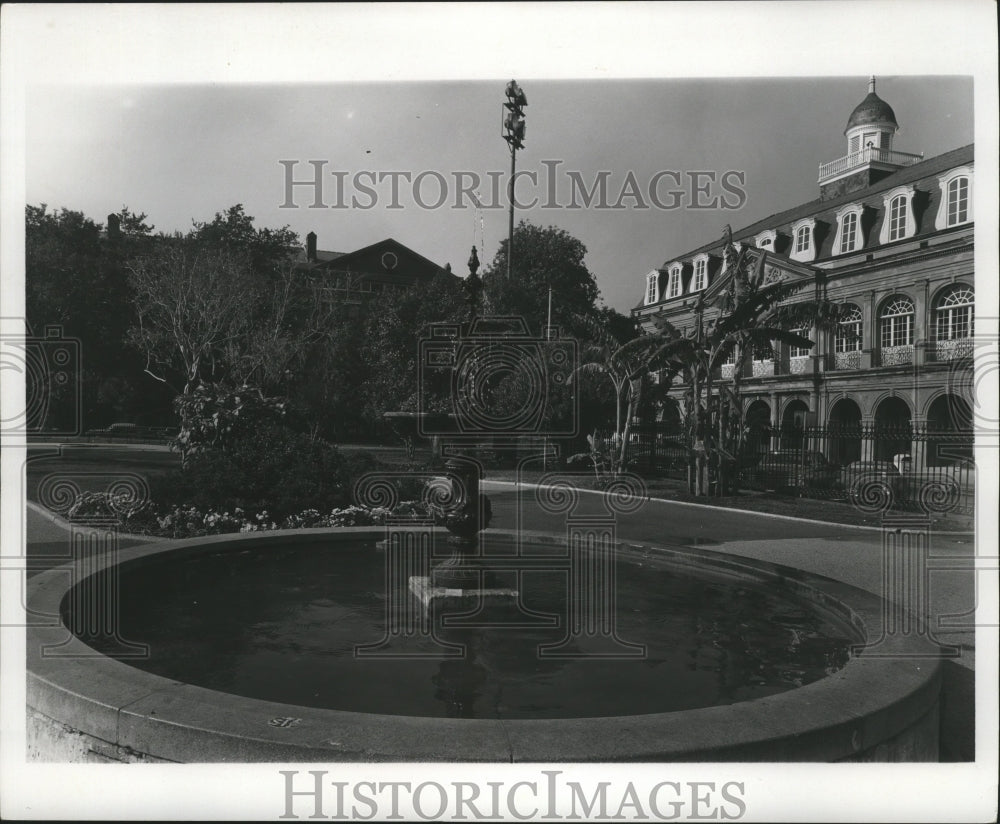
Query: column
x=869, y=332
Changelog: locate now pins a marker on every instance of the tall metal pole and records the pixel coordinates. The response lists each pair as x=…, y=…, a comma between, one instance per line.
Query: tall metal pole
x=513, y=126
x=548, y=323
x=510, y=197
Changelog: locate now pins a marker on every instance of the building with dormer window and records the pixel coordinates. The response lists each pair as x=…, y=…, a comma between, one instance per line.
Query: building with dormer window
x=891, y=237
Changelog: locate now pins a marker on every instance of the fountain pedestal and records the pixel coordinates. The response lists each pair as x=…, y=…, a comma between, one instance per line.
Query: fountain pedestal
x=458, y=598
x=461, y=580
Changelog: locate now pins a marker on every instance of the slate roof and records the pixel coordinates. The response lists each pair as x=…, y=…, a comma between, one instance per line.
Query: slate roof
x=923, y=175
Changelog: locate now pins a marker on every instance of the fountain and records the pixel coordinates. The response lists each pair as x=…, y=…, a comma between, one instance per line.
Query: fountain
x=740, y=658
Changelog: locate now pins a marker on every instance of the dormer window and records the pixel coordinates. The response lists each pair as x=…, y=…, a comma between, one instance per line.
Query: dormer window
x=898, y=222
x=700, y=279
x=652, y=283
x=956, y=198
x=766, y=240
x=897, y=217
x=802, y=239
x=803, y=247
x=674, y=282
x=849, y=237
x=958, y=201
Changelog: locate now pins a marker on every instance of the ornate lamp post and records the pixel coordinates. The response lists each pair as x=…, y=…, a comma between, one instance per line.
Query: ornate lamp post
x=513, y=133
x=473, y=285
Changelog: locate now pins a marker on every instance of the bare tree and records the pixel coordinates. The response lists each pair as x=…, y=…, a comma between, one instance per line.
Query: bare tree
x=204, y=314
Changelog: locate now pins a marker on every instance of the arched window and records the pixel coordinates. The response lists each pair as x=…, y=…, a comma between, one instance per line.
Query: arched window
x=849, y=232
x=700, y=275
x=953, y=314
x=848, y=335
x=897, y=218
x=800, y=351
x=802, y=240
x=958, y=201
x=896, y=323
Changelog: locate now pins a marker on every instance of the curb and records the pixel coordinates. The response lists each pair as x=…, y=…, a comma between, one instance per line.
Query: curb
x=727, y=509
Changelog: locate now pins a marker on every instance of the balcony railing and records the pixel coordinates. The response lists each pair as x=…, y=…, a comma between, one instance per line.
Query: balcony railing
x=799, y=365
x=845, y=360
x=855, y=160
x=896, y=355
x=949, y=350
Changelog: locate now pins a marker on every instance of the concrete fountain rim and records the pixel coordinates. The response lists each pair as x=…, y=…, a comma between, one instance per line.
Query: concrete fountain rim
x=850, y=712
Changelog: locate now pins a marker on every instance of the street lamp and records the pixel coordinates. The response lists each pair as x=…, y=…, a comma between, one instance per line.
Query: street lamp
x=513, y=133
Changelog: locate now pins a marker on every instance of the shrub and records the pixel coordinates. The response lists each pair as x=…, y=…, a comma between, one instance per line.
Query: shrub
x=271, y=469
x=119, y=510
x=216, y=417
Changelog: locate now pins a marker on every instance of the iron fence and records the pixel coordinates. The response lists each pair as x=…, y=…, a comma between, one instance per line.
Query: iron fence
x=875, y=467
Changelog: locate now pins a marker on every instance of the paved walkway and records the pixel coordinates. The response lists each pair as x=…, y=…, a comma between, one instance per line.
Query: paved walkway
x=849, y=554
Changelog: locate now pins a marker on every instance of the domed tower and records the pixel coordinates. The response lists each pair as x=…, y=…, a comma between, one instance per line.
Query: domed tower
x=870, y=156
x=872, y=123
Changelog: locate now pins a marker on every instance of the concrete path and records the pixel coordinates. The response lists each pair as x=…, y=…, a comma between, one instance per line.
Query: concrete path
x=849, y=554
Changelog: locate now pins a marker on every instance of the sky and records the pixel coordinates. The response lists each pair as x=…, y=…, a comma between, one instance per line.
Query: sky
x=182, y=152
x=181, y=110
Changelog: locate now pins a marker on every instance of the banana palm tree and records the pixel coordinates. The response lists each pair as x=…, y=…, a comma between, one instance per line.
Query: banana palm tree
x=752, y=317
x=626, y=364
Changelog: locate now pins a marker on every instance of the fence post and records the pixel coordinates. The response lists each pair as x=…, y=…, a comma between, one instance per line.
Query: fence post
x=652, y=445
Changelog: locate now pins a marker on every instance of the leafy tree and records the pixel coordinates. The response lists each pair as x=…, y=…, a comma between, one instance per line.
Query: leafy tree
x=327, y=385
x=75, y=278
x=543, y=258
x=393, y=331
x=234, y=230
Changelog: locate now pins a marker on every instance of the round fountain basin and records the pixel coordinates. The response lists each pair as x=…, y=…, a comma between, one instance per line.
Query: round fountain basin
x=256, y=652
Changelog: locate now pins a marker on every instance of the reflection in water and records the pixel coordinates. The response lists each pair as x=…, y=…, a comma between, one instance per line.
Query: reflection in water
x=282, y=624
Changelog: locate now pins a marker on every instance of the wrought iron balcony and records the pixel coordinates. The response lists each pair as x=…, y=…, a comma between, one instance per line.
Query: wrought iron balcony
x=860, y=159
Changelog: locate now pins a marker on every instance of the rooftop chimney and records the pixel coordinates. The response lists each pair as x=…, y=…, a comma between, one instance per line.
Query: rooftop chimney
x=311, y=247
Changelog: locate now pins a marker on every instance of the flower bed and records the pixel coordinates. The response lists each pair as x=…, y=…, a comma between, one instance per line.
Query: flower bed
x=118, y=511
